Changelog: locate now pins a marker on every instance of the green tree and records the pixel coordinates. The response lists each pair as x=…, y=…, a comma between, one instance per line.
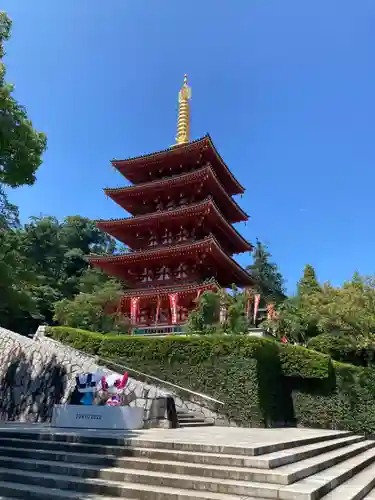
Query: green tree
x=95, y=311
x=92, y=279
x=236, y=321
x=348, y=310
x=42, y=263
x=266, y=273
x=16, y=299
x=292, y=320
x=308, y=284
x=21, y=146
x=9, y=215
x=205, y=319
x=57, y=251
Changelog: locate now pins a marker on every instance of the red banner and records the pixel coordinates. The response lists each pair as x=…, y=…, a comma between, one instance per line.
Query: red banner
x=173, y=300
x=134, y=307
x=256, y=306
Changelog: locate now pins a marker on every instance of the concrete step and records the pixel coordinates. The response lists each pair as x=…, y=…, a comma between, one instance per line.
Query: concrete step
x=288, y=474
x=184, y=414
x=291, y=455
x=186, y=465
x=356, y=487
x=149, y=441
x=370, y=496
x=139, y=467
x=39, y=493
x=117, y=455
x=197, y=424
x=150, y=472
x=61, y=487
x=321, y=483
x=191, y=418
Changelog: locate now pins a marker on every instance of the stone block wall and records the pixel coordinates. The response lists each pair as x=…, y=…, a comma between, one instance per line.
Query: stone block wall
x=37, y=373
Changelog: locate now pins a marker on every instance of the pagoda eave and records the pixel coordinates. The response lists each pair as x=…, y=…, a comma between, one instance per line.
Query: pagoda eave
x=204, y=178
x=165, y=291
x=134, y=169
x=230, y=271
x=125, y=230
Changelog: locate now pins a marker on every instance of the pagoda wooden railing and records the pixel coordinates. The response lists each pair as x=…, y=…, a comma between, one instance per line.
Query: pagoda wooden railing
x=158, y=330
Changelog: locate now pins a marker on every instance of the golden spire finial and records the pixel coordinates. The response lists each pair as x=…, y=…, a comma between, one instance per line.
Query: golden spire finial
x=183, y=120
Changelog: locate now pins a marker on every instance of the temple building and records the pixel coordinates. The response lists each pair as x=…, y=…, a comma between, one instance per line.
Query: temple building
x=180, y=234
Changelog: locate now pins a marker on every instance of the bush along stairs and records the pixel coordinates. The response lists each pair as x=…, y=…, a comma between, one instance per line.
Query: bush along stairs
x=209, y=463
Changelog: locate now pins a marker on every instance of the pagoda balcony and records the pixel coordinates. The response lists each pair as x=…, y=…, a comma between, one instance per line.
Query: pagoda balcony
x=158, y=330
x=183, y=224
x=170, y=193
x=177, y=160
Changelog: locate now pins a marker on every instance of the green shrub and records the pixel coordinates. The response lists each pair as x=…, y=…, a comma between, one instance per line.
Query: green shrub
x=242, y=372
x=346, y=400
x=357, y=351
x=260, y=382
x=300, y=362
x=79, y=339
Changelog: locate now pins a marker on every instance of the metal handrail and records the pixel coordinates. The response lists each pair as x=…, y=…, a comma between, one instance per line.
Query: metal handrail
x=97, y=359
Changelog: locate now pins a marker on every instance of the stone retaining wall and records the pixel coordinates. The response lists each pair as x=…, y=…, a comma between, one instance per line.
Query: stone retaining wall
x=37, y=373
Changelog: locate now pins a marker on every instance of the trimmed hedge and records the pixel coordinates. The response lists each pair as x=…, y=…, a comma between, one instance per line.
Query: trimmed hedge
x=79, y=339
x=345, y=348
x=346, y=400
x=260, y=382
x=245, y=373
x=300, y=362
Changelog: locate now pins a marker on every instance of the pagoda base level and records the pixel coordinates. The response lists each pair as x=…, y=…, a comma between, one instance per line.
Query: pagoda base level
x=164, y=310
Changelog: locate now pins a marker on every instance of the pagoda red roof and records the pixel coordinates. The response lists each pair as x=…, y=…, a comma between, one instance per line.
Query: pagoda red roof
x=132, y=198
x=139, y=169
x=125, y=229
x=229, y=270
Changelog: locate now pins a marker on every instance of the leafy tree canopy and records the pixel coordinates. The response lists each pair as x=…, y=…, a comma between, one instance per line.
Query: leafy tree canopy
x=308, y=284
x=21, y=146
x=347, y=310
x=95, y=311
x=42, y=263
x=206, y=318
x=265, y=272
x=9, y=216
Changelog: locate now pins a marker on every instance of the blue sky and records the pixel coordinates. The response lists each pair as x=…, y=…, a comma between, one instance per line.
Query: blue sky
x=285, y=88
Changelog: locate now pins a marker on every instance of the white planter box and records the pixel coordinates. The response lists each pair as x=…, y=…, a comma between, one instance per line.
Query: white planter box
x=97, y=417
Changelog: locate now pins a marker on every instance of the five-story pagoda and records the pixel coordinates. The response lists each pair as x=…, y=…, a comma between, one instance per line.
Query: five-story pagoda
x=180, y=232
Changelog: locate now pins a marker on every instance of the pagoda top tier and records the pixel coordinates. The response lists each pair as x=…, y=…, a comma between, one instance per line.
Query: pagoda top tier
x=179, y=159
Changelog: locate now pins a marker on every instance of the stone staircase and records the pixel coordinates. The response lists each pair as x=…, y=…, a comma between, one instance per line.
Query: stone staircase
x=185, y=464
x=189, y=419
